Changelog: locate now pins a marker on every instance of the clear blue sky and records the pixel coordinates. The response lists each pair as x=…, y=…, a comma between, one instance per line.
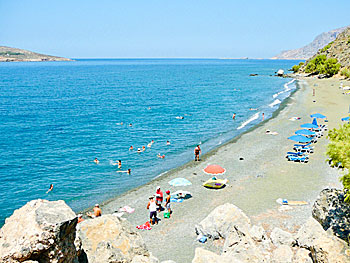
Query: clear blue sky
x=162, y=28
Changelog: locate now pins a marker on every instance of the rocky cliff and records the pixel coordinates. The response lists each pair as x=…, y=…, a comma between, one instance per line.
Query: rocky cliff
x=339, y=49
x=311, y=49
x=48, y=232
x=9, y=54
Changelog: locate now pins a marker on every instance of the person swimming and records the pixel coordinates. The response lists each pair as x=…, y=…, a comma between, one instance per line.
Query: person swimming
x=143, y=148
x=161, y=156
x=131, y=148
x=130, y=124
x=119, y=163
x=139, y=150
x=180, y=117
x=167, y=143
x=50, y=189
x=127, y=171
x=96, y=161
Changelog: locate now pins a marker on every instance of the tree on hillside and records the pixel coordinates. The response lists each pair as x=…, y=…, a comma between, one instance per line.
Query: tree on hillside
x=338, y=151
x=322, y=65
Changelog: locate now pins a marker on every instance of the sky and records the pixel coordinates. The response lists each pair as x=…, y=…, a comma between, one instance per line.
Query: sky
x=167, y=29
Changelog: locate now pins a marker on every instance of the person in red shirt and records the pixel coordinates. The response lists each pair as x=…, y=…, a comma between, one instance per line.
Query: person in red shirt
x=159, y=198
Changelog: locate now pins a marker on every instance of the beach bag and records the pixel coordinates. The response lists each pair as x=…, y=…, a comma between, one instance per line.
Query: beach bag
x=166, y=215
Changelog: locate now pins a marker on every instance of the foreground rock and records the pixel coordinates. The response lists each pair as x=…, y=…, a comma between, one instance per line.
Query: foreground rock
x=108, y=239
x=41, y=231
x=246, y=243
x=332, y=213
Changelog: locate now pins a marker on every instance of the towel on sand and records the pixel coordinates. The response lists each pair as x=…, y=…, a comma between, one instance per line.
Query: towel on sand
x=175, y=200
x=127, y=209
x=145, y=226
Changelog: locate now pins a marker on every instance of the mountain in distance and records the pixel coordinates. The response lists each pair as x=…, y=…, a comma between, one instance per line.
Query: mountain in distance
x=338, y=49
x=311, y=49
x=9, y=54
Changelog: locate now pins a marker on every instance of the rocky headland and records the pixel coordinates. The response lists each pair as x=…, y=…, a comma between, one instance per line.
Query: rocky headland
x=311, y=49
x=9, y=54
x=45, y=231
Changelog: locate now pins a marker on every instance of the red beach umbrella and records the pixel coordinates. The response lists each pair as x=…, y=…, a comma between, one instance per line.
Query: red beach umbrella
x=214, y=169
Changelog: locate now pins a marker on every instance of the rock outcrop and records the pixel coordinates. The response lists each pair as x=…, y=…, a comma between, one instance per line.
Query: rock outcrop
x=332, y=213
x=109, y=239
x=246, y=243
x=41, y=231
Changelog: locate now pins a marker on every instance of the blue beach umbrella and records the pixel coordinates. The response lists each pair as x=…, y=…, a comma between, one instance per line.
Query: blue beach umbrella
x=314, y=122
x=309, y=126
x=299, y=138
x=318, y=115
x=179, y=182
x=345, y=119
x=305, y=132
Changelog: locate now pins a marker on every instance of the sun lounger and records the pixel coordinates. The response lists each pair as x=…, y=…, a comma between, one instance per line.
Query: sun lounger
x=302, y=145
x=301, y=159
x=304, y=149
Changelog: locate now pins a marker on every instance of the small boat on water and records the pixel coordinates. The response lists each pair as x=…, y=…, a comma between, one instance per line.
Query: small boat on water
x=215, y=183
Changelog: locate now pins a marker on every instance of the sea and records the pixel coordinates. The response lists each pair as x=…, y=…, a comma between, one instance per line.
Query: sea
x=57, y=117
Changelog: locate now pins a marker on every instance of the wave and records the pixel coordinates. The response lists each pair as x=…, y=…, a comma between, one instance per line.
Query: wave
x=275, y=102
x=254, y=117
x=286, y=89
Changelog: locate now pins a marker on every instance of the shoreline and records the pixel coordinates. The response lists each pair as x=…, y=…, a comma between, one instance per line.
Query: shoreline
x=210, y=153
x=254, y=183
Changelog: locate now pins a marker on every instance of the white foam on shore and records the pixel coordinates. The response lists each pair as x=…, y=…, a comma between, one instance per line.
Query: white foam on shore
x=286, y=89
x=254, y=117
x=276, y=102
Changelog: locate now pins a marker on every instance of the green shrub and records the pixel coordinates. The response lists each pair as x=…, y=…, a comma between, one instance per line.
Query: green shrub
x=330, y=67
x=339, y=152
x=322, y=65
x=326, y=47
x=346, y=73
x=296, y=68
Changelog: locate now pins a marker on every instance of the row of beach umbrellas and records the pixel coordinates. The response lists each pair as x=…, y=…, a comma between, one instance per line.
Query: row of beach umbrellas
x=300, y=134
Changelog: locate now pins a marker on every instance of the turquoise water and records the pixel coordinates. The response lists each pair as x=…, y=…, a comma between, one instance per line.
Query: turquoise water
x=56, y=117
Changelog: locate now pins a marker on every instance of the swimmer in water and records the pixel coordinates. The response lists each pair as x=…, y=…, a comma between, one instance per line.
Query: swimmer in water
x=143, y=148
x=139, y=150
x=167, y=143
x=161, y=156
x=119, y=163
x=149, y=108
x=234, y=116
x=131, y=148
x=130, y=124
x=96, y=161
x=50, y=189
x=180, y=117
x=127, y=171
x=120, y=123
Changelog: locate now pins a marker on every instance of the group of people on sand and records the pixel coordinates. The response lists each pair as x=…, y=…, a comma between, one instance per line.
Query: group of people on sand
x=155, y=206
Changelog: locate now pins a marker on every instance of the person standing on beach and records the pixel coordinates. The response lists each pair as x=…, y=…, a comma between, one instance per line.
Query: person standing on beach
x=167, y=202
x=263, y=116
x=197, y=151
x=159, y=198
x=152, y=206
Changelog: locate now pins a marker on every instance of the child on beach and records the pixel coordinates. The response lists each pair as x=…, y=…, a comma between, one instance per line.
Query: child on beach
x=167, y=202
x=197, y=151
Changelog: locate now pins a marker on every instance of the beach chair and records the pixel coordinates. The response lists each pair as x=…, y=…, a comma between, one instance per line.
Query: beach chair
x=301, y=159
x=304, y=149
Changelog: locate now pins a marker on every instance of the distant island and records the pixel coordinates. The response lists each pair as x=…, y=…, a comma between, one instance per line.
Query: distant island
x=311, y=49
x=9, y=54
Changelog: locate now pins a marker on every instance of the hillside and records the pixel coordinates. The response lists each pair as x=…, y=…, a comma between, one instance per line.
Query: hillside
x=338, y=51
x=309, y=50
x=9, y=54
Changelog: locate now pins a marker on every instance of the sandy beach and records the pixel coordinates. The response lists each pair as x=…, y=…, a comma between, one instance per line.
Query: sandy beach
x=255, y=182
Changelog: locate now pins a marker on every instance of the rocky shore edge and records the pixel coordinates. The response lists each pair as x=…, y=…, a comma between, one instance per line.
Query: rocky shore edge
x=48, y=231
